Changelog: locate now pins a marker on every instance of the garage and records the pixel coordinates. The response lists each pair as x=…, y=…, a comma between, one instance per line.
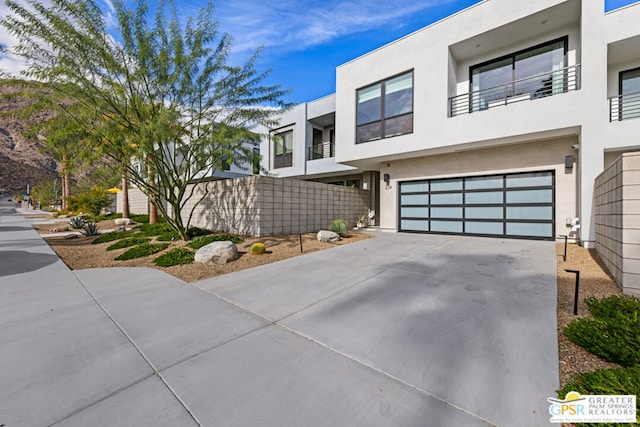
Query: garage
x=517, y=205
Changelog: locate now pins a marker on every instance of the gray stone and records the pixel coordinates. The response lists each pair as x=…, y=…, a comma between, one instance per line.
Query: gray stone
x=60, y=229
x=122, y=221
x=120, y=229
x=71, y=236
x=217, y=253
x=327, y=236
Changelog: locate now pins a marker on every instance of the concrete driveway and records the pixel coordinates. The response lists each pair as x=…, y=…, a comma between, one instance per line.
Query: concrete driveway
x=399, y=330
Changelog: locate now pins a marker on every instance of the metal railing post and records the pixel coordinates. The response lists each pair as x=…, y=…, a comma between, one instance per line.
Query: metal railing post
x=564, y=257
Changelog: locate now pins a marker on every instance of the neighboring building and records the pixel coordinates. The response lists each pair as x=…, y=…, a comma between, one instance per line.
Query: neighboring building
x=495, y=121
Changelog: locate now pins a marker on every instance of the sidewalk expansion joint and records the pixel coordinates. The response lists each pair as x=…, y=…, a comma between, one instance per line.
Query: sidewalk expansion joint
x=139, y=350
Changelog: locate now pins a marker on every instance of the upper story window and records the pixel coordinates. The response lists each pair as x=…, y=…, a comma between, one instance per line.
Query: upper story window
x=532, y=73
x=283, y=149
x=629, y=89
x=385, y=109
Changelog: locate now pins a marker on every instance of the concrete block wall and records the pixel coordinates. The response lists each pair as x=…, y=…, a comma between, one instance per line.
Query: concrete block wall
x=617, y=220
x=138, y=202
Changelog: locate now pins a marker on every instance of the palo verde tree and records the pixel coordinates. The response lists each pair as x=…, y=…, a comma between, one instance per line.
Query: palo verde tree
x=182, y=108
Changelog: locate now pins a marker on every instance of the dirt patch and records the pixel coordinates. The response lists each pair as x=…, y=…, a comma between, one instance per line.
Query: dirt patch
x=594, y=281
x=80, y=253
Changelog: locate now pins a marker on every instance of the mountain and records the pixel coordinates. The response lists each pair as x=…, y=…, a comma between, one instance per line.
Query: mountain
x=21, y=161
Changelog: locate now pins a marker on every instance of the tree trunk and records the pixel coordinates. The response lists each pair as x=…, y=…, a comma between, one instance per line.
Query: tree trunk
x=125, y=195
x=66, y=190
x=153, y=208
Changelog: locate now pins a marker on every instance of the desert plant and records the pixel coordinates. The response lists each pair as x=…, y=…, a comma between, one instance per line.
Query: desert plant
x=339, y=226
x=175, y=256
x=199, y=242
x=110, y=237
x=614, y=331
x=257, y=248
x=142, y=250
x=197, y=231
x=92, y=201
x=169, y=236
x=90, y=229
x=362, y=220
x=155, y=229
x=128, y=242
x=76, y=222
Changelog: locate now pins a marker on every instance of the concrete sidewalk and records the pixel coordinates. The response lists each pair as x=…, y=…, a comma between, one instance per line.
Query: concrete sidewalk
x=397, y=330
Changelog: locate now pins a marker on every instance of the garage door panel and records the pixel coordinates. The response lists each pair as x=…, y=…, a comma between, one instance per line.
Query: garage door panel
x=517, y=205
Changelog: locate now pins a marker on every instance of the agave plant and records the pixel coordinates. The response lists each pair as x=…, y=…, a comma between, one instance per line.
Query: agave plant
x=77, y=222
x=90, y=229
x=339, y=226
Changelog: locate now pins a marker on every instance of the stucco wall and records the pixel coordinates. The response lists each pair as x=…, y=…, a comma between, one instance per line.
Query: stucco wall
x=617, y=220
x=265, y=206
x=138, y=202
x=533, y=156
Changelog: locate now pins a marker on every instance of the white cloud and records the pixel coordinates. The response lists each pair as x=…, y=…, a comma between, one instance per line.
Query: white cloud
x=298, y=24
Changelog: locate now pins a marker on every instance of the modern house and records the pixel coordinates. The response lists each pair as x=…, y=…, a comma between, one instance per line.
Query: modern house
x=495, y=121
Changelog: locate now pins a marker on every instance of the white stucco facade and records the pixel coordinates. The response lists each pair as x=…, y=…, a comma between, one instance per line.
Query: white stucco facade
x=523, y=135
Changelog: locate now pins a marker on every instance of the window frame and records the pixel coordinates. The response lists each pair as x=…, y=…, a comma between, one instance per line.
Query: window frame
x=284, y=154
x=621, y=95
x=512, y=56
x=384, y=119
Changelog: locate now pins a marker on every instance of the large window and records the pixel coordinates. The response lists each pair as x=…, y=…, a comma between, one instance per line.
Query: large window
x=385, y=109
x=283, y=149
x=533, y=73
x=630, y=94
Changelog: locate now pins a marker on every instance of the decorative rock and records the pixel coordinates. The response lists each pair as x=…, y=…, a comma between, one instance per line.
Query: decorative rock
x=120, y=229
x=71, y=236
x=328, y=236
x=217, y=253
x=60, y=229
x=122, y=221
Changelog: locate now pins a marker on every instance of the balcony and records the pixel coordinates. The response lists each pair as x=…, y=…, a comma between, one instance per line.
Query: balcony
x=527, y=89
x=321, y=151
x=623, y=107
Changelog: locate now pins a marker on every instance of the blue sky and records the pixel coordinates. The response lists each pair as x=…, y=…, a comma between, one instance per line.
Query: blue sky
x=305, y=40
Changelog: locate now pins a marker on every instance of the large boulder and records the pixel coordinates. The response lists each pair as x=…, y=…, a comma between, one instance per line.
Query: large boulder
x=217, y=253
x=122, y=221
x=327, y=236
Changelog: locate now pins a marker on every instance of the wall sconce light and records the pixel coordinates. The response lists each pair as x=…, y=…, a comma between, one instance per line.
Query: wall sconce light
x=386, y=178
x=568, y=162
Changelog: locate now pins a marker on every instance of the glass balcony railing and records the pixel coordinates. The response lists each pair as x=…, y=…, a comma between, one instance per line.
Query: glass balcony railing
x=623, y=107
x=527, y=89
x=321, y=151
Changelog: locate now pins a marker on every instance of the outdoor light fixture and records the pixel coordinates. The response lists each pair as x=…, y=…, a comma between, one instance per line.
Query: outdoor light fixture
x=568, y=162
x=386, y=178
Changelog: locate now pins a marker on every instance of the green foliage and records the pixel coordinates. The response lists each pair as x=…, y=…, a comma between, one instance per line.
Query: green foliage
x=90, y=229
x=92, y=201
x=614, y=331
x=110, y=237
x=175, y=256
x=197, y=231
x=155, y=229
x=143, y=218
x=76, y=222
x=142, y=250
x=625, y=381
x=199, y=242
x=169, y=236
x=339, y=226
x=257, y=248
x=155, y=81
x=128, y=242
x=45, y=192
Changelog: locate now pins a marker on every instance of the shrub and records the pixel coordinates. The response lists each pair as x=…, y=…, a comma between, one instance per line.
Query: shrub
x=614, y=331
x=143, y=218
x=90, y=229
x=257, y=248
x=169, y=236
x=142, y=250
x=92, y=201
x=625, y=381
x=110, y=237
x=197, y=231
x=128, y=242
x=150, y=230
x=175, y=256
x=199, y=242
x=76, y=222
x=339, y=226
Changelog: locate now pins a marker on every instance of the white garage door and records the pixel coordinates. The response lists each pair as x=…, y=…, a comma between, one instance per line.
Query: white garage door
x=517, y=205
